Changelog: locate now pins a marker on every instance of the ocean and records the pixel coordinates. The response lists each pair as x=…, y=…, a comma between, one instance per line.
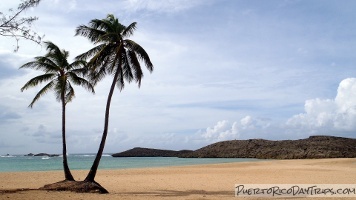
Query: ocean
x=20, y=163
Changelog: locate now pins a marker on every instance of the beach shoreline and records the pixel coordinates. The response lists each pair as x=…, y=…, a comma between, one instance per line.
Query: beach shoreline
x=212, y=181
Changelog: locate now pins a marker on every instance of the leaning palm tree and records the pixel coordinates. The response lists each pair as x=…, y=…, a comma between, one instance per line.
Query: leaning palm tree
x=59, y=76
x=116, y=55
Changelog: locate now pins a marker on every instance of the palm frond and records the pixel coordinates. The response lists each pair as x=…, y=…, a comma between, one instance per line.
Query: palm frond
x=37, y=80
x=135, y=66
x=90, y=53
x=79, y=67
x=113, y=25
x=55, y=54
x=60, y=88
x=101, y=55
x=80, y=81
x=110, y=37
x=142, y=54
x=42, y=92
x=93, y=34
x=51, y=47
x=120, y=83
x=114, y=55
x=102, y=24
x=102, y=63
x=129, y=30
x=125, y=66
x=112, y=59
x=70, y=94
x=48, y=64
x=57, y=71
x=39, y=64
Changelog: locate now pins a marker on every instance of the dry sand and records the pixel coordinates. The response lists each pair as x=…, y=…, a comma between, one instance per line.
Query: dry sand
x=215, y=181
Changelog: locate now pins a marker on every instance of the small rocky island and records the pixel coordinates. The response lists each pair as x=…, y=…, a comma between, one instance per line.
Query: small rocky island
x=309, y=148
x=43, y=154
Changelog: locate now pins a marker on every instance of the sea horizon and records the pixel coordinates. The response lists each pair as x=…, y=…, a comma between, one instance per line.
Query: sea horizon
x=83, y=161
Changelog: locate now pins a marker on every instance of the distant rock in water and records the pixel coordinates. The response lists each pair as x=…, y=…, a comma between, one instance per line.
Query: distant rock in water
x=46, y=154
x=147, y=152
x=312, y=147
x=42, y=154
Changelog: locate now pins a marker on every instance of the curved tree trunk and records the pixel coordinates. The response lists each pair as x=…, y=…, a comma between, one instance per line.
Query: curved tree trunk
x=92, y=173
x=67, y=174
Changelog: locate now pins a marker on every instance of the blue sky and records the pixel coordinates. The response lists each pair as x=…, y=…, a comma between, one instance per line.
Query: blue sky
x=278, y=69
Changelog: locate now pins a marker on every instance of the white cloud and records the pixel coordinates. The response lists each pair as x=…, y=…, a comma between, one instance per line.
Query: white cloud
x=346, y=95
x=322, y=115
x=246, y=126
x=223, y=130
x=249, y=122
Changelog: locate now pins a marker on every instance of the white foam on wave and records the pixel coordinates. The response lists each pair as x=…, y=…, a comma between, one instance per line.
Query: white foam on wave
x=7, y=156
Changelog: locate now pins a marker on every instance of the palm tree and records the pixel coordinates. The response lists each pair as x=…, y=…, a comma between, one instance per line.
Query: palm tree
x=59, y=76
x=115, y=55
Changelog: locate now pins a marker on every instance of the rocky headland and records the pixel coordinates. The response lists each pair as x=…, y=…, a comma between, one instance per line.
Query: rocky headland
x=309, y=148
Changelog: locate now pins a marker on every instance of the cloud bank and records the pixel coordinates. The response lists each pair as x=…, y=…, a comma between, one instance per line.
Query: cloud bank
x=321, y=117
x=245, y=127
x=329, y=115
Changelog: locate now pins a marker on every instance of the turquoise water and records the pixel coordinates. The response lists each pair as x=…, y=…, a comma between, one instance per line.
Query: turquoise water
x=84, y=161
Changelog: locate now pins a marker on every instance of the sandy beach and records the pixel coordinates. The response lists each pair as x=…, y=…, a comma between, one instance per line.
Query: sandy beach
x=214, y=181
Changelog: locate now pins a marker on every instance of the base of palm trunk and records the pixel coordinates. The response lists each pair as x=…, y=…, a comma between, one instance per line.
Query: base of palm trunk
x=76, y=186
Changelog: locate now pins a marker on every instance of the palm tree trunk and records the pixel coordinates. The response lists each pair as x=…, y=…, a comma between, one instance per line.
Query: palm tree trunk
x=67, y=174
x=91, y=175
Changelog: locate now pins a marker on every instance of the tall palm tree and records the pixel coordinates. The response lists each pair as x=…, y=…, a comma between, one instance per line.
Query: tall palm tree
x=116, y=55
x=59, y=76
